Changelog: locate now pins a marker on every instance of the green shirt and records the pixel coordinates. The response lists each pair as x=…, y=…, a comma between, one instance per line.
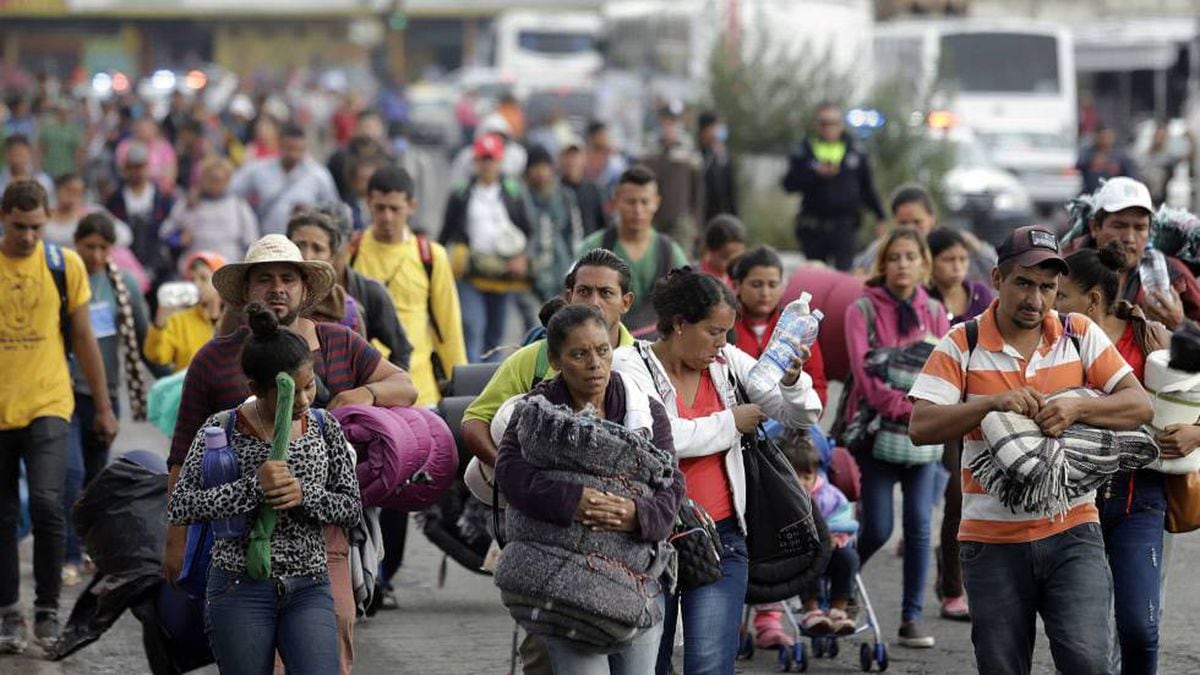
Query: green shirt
x=60, y=142
x=515, y=377
x=644, y=271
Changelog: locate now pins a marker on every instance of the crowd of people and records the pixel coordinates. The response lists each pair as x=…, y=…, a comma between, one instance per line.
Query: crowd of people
x=215, y=244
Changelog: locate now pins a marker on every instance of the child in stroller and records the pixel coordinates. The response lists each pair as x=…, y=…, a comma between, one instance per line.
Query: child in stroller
x=825, y=601
x=811, y=458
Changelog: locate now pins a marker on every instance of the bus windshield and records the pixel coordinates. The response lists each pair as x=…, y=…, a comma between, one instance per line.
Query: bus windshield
x=556, y=42
x=999, y=62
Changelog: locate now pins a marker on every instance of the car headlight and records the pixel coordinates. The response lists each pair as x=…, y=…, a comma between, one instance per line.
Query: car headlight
x=1011, y=200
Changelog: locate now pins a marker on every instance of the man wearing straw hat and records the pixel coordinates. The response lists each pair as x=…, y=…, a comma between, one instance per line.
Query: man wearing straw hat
x=349, y=371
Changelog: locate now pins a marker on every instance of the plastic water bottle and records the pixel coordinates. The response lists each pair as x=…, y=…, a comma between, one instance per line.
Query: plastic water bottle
x=220, y=466
x=796, y=327
x=1153, y=272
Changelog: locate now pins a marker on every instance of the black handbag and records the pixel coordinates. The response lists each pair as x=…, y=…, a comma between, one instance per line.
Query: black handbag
x=779, y=512
x=697, y=546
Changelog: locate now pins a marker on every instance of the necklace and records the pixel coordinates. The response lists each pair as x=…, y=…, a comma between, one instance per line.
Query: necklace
x=258, y=422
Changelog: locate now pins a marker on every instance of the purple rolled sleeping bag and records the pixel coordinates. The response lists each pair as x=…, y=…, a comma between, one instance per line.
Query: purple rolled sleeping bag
x=406, y=456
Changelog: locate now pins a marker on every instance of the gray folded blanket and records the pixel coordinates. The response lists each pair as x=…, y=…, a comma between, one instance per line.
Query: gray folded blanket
x=1031, y=472
x=599, y=588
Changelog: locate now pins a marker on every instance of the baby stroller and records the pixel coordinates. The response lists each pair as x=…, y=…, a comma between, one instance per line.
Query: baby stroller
x=837, y=467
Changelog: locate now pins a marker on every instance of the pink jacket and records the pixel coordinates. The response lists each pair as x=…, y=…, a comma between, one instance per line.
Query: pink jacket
x=890, y=403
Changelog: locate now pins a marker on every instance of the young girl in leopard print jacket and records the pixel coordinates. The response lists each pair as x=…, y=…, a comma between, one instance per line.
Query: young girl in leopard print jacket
x=291, y=611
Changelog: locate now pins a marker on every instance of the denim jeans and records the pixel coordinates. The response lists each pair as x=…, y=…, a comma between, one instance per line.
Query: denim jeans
x=485, y=317
x=43, y=446
x=1064, y=578
x=248, y=619
x=878, y=518
x=635, y=658
x=1133, y=539
x=712, y=614
x=87, y=457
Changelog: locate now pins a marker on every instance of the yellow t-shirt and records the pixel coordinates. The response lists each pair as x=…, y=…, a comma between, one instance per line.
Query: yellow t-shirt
x=34, y=381
x=398, y=267
x=178, y=341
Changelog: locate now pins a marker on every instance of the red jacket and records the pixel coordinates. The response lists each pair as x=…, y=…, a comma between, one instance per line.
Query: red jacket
x=748, y=342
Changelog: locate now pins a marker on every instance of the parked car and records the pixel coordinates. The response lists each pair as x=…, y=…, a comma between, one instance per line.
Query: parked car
x=980, y=196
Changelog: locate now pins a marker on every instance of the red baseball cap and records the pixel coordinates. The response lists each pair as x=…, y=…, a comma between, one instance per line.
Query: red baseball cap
x=490, y=146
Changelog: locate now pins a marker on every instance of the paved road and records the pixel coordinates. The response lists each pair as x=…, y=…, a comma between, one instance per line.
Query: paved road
x=462, y=628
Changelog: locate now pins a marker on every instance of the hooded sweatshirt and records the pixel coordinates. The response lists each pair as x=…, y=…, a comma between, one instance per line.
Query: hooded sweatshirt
x=932, y=321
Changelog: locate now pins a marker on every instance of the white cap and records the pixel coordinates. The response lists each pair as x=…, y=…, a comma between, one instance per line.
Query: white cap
x=1121, y=193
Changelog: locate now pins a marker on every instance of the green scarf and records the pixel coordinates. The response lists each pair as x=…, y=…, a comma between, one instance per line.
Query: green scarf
x=258, y=548
x=829, y=153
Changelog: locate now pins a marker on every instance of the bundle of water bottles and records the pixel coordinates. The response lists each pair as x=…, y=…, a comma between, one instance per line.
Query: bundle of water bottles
x=796, y=329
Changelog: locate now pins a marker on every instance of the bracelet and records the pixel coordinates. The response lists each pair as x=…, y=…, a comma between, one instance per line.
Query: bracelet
x=373, y=397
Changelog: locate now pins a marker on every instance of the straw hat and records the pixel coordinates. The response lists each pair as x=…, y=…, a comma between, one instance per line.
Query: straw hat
x=230, y=280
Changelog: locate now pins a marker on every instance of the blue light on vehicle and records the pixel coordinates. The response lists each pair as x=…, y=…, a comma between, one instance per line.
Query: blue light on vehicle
x=864, y=121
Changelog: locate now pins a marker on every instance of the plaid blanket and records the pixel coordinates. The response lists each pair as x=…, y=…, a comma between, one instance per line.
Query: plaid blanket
x=1028, y=471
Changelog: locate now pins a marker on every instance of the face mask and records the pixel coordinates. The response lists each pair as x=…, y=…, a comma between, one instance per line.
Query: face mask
x=722, y=133
x=400, y=145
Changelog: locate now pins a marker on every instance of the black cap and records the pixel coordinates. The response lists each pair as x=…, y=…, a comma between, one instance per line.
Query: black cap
x=538, y=154
x=1030, y=246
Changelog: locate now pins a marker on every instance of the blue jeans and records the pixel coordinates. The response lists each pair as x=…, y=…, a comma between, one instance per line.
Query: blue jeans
x=485, y=316
x=1133, y=539
x=878, y=518
x=43, y=446
x=636, y=658
x=712, y=614
x=1064, y=578
x=88, y=455
x=248, y=619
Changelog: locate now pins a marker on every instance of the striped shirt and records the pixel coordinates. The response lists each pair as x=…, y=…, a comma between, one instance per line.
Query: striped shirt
x=215, y=380
x=996, y=367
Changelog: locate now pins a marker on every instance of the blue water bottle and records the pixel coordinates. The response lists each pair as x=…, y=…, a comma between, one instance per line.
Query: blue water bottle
x=220, y=466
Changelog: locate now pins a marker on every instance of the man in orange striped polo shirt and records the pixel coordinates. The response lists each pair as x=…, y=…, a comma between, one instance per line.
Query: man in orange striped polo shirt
x=1017, y=565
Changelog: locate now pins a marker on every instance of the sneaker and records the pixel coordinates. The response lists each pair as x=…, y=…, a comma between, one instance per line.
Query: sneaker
x=768, y=630
x=46, y=628
x=913, y=636
x=956, y=609
x=13, y=638
x=71, y=575
x=816, y=622
x=842, y=623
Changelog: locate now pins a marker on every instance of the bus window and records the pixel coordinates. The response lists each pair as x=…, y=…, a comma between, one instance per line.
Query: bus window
x=999, y=62
x=556, y=42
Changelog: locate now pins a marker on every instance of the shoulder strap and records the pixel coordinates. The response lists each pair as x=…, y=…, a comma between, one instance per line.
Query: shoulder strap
x=319, y=413
x=425, y=249
x=666, y=246
x=58, y=269
x=542, y=365
x=868, y=310
x=355, y=244
x=972, y=329
x=1069, y=331
x=230, y=421
x=609, y=238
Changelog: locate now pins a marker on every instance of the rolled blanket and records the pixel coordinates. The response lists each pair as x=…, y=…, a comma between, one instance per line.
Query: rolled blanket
x=1031, y=472
x=407, y=458
x=599, y=588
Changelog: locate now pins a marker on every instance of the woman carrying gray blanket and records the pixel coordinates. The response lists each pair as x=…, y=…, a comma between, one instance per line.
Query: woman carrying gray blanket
x=588, y=467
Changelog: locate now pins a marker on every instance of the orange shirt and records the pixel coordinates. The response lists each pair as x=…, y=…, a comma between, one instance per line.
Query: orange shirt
x=707, y=482
x=997, y=367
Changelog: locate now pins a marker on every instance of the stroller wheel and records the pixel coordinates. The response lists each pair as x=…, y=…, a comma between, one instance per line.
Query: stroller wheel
x=865, y=657
x=746, y=646
x=881, y=656
x=799, y=658
x=833, y=648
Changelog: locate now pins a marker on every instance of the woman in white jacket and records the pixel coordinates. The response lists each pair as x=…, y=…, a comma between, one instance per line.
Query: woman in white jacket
x=689, y=370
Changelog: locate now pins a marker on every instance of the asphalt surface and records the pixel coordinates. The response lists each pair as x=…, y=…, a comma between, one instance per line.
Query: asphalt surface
x=462, y=628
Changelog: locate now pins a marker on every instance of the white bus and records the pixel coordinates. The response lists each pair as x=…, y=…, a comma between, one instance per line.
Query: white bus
x=547, y=48
x=1011, y=83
